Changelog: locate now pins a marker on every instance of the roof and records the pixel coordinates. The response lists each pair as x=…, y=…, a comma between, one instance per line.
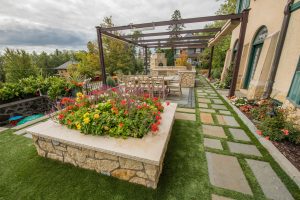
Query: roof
x=65, y=65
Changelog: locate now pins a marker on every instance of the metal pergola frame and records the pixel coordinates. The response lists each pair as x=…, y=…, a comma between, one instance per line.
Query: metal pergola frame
x=194, y=41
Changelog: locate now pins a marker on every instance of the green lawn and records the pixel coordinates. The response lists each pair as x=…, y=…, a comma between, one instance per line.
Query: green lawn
x=24, y=175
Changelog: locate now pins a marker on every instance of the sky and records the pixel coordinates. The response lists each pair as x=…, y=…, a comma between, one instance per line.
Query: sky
x=45, y=25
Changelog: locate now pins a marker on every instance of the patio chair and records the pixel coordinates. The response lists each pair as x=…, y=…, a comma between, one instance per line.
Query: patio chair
x=175, y=85
x=158, y=86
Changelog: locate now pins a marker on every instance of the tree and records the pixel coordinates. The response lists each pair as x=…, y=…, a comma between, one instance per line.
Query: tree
x=2, y=73
x=175, y=28
x=222, y=46
x=17, y=65
x=119, y=56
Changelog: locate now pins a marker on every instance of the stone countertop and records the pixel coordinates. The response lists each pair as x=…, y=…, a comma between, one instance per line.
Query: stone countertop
x=149, y=149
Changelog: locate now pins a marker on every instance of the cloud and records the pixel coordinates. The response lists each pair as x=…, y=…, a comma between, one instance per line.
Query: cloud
x=71, y=23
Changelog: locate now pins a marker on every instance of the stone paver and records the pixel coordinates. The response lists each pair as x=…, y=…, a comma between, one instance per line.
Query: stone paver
x=225, y=112
x=28, y=135
x=206, y=118
x=207, y=110
x=215, y=131
x=217, y=197
x=239, y=134
x=214, y=94
x=220, y=107
x=226, y=172
x=203, y=105
x=270, y=183
x=213, y=143
x=188, y=110
x=185, y=116
x=20, y=132
x=246, y=149
x=218, y=101
x=2, y=129
x=227, y=120
x=203, y=100
x=202, y=93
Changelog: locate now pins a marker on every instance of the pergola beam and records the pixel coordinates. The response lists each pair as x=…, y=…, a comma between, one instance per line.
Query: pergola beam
x=172, y=22
x=175, y=43
x=181, y=45
x=179, y=39
x=119, y=38
x=206, y=30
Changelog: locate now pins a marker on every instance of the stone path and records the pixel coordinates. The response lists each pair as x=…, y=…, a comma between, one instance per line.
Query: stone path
x=229, y=151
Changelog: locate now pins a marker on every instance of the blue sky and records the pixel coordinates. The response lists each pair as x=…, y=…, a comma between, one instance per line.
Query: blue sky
x=44, y=25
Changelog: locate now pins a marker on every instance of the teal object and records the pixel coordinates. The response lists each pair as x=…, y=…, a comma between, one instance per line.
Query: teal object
x=14, y=118
x=29, y=118
x=294, y=93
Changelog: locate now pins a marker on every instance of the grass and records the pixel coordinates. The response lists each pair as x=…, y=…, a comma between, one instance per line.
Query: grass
x=258, y=194
x=24, y=175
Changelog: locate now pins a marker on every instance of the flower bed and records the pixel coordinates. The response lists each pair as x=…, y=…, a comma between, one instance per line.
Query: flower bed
x=137, y=160
x=274, y=123
x=112, y=113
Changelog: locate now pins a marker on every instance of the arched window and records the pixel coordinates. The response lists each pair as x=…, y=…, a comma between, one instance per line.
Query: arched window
x=242, y=5
x=256, y=48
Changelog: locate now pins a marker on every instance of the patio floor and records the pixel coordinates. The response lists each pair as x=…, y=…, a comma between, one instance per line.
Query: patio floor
x=211, y=155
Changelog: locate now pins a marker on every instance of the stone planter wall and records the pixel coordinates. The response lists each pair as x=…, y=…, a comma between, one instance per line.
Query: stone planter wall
x=26, y=107
x=108, y=164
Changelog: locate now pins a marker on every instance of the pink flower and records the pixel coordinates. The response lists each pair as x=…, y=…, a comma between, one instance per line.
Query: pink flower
x=267, y=138
x=123, y=102
x=168, y=103
x=259, y=132
x=285, y=131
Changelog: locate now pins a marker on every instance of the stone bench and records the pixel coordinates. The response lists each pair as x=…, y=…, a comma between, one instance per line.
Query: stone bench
x=135, y=160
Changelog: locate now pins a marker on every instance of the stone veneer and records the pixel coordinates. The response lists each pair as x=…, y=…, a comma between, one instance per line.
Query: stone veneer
x=135, y=160
x=108, y=164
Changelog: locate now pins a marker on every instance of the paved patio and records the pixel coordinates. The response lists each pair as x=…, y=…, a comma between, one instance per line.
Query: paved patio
x=234, y=162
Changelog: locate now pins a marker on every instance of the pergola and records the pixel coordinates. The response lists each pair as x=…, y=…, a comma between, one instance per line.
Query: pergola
x=209, y=39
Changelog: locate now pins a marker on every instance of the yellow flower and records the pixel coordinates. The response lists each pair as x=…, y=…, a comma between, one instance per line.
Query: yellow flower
x=86, y=120
x=106, y=128
x=79, y=94
x=86, y=115
x=78, y=126
x=96, y=116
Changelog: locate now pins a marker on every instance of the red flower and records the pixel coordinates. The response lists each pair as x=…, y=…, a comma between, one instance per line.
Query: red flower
x=267, y=138
x=139, y=107
x=121, y=125
x=154, y=127
x=285, y=131
x=155, y=99
x=114, y=89
x=157, y=117
x=66, y=100
x=158, y=122
x=168, y=103
x=126, y=112
x=146, y=96
x=123, y=102
x=259, y=132
x=61, y=116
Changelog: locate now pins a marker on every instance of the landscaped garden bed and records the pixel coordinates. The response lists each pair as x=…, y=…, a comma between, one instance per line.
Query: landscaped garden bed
x=116, y=134
x=275, y=123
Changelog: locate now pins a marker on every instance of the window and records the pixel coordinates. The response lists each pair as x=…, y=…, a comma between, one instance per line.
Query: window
x=256, y=49
x=242, y=5
x=294, y=93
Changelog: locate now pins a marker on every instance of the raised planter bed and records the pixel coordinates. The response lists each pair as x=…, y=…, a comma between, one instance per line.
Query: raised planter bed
x=135, y=160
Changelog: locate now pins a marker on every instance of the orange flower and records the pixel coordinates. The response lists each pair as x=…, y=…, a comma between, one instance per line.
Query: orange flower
x=259, y=132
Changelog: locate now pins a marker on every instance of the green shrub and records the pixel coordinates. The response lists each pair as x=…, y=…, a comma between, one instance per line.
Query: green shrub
x=110, y=82
x=216, y=73
x=228, y=77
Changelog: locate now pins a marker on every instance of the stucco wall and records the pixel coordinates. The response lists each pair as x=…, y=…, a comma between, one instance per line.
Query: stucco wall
x=262, y=13
x=289, y=58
